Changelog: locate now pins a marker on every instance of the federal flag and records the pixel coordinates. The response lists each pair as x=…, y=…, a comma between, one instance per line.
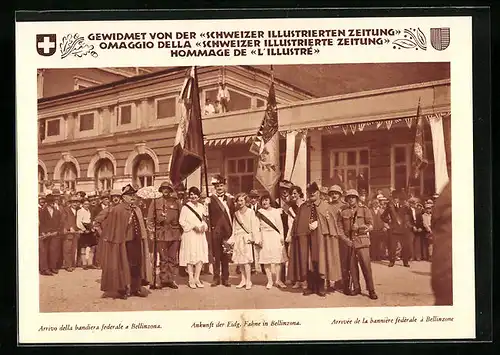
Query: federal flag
x=266, y=146
x=419, y=161
x=187, y=155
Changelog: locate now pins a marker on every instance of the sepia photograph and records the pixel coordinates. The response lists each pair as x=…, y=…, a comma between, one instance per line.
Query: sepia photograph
x=244, y=187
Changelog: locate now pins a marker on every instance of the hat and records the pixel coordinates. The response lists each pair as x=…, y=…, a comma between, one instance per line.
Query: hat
x=104, y=194
x=115, y=192
x=180, y=187
x=398, y=194
x=351, y=192
x=74, y=199
x=128, y=190
x=335, y=188
x=41, y=196
x=253, y=193
x=166, y=185
x=413, y=200
x=92, y=195
x=312, y=188
x=285, y=184
x=218, y=179
x=323, y=190
x=381, y=197
x=50, y=197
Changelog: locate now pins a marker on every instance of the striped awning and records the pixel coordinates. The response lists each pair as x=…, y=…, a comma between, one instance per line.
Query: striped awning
x=345, y=128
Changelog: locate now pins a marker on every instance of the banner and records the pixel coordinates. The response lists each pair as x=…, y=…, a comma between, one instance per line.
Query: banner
x=266, y=146
x=438, y=146
x=187, y=155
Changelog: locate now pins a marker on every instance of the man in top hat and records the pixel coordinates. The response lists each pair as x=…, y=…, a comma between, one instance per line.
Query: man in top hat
x=165, y=212
x=309, y=260
x=357, y=222
x=125, y=259
x=49, y=243
x=397, y=216
x=221, y=209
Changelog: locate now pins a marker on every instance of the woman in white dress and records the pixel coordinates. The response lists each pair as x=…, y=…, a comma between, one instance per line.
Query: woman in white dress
x=193, y=251
x=272, y=251
x=245, y=232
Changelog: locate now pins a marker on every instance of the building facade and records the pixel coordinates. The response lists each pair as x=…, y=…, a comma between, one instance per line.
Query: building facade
x=112, y=134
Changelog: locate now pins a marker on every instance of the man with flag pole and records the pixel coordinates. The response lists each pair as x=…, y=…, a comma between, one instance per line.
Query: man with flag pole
x=189, y=150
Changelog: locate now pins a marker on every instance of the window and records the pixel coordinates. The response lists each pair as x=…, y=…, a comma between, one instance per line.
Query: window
x=41, y=176
x=87, y=122
x=166, y=108
x=260, y=103
x=239, y=101
x=104, y=175
x=401, y=168
x=125, y=114
x=68, y=176
x=143, y=171
x=348, y=166
x=53, y=127
x=240, y=174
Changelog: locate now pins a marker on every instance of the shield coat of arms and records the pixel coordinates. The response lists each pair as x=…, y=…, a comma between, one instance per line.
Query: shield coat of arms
x=46, y=44
x=440, y=38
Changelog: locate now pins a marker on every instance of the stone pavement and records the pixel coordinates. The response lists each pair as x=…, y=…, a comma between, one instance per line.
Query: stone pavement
x=79, y=291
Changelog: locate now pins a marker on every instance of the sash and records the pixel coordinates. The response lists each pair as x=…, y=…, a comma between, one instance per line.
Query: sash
x=241, y=224
x=222, y=207
x=267, y=221
x=195, y=213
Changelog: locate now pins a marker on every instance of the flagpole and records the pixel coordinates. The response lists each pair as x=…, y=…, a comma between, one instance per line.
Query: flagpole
x=410, y=176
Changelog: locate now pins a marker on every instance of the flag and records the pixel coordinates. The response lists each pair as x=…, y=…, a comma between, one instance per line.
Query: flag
x=299, y=171
x=187, y=155
x=419, y=162
x=266, y=146
x=440, y=162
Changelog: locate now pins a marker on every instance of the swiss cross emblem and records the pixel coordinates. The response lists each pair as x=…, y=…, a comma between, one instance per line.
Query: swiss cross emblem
x=46, y=44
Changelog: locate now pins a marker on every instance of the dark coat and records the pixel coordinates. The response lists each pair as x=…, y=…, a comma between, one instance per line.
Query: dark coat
x=398, y=218
x=441, y=269
x=50, y=224
x=221, y=224
x=113, y=224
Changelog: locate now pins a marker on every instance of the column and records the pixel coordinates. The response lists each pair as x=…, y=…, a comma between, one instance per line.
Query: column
x=316, y=151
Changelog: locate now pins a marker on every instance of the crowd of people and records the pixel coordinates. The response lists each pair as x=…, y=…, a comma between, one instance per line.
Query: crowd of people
x=316, y=242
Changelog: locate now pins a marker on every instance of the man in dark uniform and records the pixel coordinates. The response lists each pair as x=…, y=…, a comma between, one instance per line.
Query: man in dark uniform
x=165, y=211
x=397, y=216
x=221, y=212
x=357, y=222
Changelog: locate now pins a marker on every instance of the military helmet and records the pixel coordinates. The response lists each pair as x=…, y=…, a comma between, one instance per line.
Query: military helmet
x=351, y=192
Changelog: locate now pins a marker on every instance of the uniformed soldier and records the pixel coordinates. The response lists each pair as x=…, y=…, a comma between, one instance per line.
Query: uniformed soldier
x=165, y=211
x=357, y=223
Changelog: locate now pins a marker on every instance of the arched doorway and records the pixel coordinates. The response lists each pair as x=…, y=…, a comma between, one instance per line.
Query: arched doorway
x=104, y=175
x=68, y=176
x=143, y=170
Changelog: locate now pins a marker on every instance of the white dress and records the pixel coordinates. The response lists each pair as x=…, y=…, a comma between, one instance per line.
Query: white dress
x=272, y=250
x=242, y=249
x=194, y=246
